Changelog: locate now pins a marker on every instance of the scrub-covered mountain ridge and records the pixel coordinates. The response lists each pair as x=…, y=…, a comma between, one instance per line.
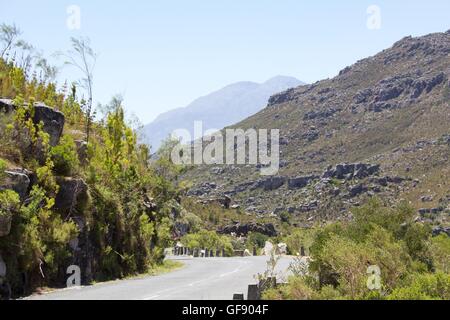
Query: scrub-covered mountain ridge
x=380, y=128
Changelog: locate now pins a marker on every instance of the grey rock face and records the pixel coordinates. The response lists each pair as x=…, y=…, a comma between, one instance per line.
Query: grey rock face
x=17, y=181
x=300, y=182
x=441, y=230
x=224, y=201
x=426, y=198
x=351, y=171
x=271, y=183
x=357, y=190
x=52, y=120
x=310, y=206
x=311, y=135
x=243, y=229
x=180, y=229
x=72, y=195
x=82, y=149
x=5, y=225
x=204, y=189
x=6, y=106
x=406, y=87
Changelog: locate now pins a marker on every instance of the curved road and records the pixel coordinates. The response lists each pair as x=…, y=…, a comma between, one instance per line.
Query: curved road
x=199, y=279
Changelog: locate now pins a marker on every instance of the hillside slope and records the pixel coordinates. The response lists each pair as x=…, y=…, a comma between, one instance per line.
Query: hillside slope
x=224, y=107
x=385, y=119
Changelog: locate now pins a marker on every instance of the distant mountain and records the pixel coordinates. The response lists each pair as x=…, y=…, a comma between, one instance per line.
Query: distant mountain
x=219, y=109
x=379, y=128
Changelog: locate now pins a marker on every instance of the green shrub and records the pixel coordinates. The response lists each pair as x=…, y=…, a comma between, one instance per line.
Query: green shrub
x=299, y=238
x=424, y=287
x=378, y=236
x=9, y=202
x=256, y=239
x=209, y=240
x=440, y=253
x=3, y=167
x=42, y=239
x=65, y=157
x=296, y=289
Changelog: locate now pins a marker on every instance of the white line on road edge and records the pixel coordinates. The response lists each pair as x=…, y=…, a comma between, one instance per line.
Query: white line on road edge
x=151, y=297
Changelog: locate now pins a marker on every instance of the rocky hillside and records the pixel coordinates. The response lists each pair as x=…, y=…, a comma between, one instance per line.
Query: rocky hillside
x=379, y=128
x=64, y=201
x=224, y=107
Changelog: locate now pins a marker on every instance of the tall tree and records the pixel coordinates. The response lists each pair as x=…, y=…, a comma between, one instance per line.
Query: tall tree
x=84, y=59
x=9, y=35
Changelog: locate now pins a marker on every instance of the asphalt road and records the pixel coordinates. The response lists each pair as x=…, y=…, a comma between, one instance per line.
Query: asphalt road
x=199, y=279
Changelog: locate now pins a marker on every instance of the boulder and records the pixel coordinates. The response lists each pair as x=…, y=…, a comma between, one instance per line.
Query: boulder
x=357, y=190
x=310, y=206
x=239, y=229
x=5, y=224
x=243, y=187
x=6, y=106
x=268, y=248
x=270, y=184
x=351, y=171
x=19, y=181
x=300, y=182
x=203, y=189
x=53, y=121
x=224, y=201
x=427, y=198
x=424, y=211
x=72, y=195
x=82, y=149
x=441, y=230
x=311, y=135
x=282, y=248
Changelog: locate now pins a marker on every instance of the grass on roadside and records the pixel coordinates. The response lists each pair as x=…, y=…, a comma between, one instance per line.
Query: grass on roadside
x=166, y=267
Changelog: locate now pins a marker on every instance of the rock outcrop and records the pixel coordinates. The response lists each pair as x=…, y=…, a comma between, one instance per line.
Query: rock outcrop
x=407, y=87
x=351, y=170
x=6, y=106
x=52, y=120
x=72, y=195
x=18, y=181
x=300, y=182
x=239, y=229
x=5, y=225
x=82, y=150
x=270, y=184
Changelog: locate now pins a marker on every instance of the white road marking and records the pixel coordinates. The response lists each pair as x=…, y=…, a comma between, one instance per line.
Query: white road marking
x=151, y=297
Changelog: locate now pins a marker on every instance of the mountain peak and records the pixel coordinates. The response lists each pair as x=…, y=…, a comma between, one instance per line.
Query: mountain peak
x=219, y=109
x=282, y=79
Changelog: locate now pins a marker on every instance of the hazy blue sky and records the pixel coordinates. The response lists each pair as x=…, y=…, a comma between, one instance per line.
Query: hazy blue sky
x=162, y=54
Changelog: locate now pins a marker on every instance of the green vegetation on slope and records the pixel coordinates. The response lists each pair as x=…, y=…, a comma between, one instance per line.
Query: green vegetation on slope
x=122, y=225
x=413, y=264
